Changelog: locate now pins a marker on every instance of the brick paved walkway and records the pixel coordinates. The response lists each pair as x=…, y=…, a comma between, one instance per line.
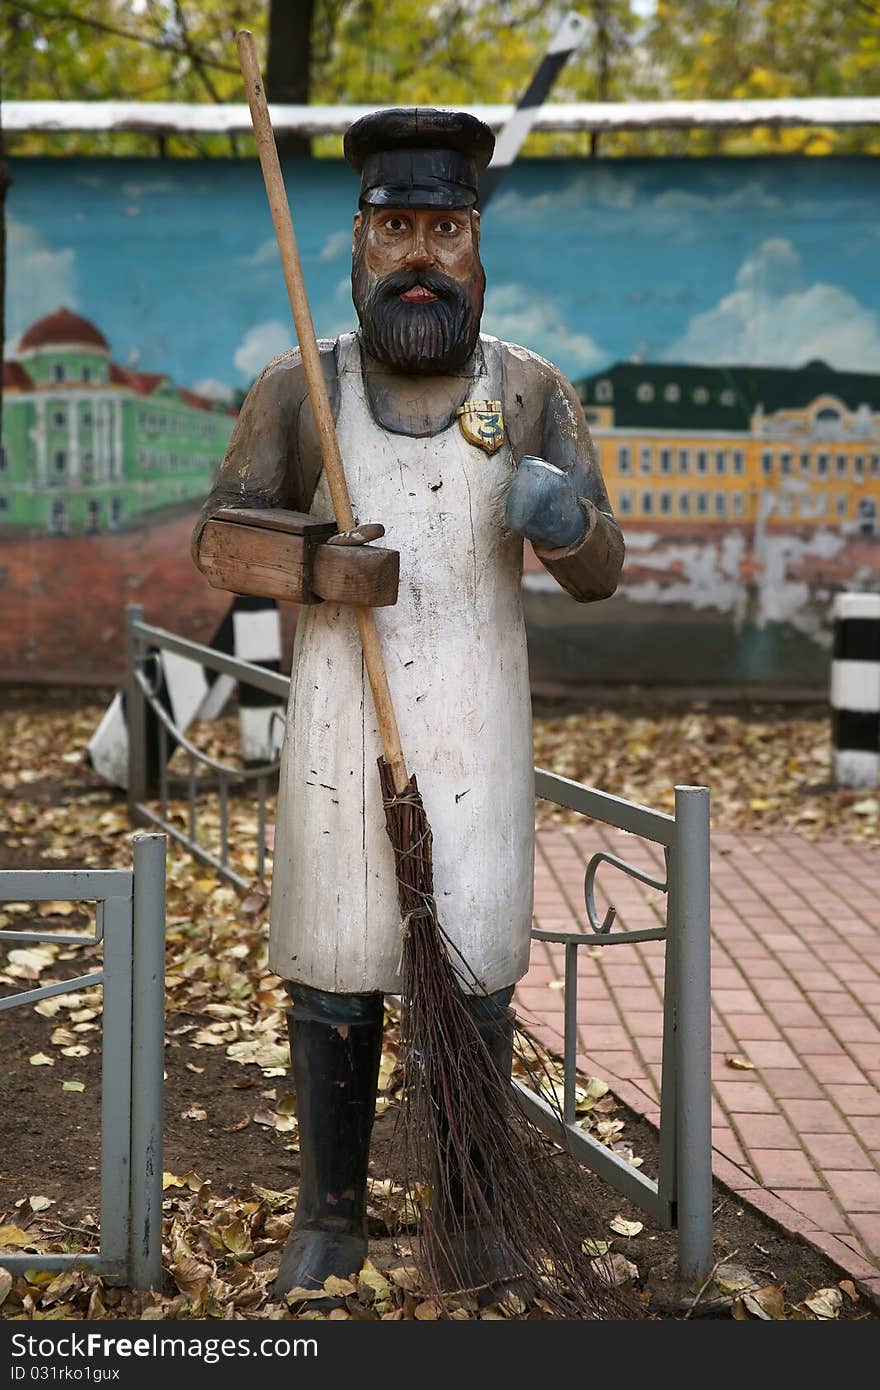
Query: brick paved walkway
x=795, y=992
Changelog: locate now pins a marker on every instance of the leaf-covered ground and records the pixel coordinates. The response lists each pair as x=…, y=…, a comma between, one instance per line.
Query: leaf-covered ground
x=229, y=1111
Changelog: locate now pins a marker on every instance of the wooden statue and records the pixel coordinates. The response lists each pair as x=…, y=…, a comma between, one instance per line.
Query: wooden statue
x=458, y=445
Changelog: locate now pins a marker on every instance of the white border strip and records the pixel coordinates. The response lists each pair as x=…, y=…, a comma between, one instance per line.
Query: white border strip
x=151, y=117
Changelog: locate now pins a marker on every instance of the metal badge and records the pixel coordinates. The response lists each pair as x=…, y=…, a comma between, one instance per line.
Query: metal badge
x=482, y=424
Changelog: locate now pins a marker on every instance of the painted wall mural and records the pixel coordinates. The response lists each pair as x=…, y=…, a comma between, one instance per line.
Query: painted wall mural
x=720, y=318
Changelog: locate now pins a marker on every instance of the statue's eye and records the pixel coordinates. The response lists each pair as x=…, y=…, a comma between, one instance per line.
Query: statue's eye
x=447, y=226
x=395, y=224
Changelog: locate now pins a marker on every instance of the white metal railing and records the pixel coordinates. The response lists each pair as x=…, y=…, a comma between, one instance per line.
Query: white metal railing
x=151, y=117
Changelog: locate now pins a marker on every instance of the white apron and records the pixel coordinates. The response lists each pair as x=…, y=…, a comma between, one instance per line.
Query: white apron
x=455, y=651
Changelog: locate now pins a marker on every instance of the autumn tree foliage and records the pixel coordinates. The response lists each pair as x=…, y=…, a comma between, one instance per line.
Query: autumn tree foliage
x=459, y=51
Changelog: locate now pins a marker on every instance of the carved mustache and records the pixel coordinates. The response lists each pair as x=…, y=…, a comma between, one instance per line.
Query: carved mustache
x=397, y=282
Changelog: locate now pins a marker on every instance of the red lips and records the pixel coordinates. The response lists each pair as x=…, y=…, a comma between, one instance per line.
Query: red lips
x=418, y=295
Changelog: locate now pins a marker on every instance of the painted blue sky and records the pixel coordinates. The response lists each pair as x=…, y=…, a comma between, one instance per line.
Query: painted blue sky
x=741, y=260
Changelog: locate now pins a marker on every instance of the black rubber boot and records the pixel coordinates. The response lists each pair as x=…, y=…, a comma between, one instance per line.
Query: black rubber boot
x=472, y=1256
x=335, y=1046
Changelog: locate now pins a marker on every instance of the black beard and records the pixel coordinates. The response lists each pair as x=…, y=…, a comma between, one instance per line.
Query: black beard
x=425, y=339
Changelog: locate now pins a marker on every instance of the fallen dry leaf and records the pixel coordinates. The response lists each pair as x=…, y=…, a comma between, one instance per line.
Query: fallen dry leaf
x=824, y=1303
x=614, y=1269
x=622, y=1227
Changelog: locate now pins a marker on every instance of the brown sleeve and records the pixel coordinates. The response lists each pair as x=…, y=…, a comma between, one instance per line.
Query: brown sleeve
x=273, y=459
x=545, y=419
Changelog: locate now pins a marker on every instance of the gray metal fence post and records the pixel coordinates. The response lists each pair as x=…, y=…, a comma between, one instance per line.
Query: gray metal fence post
x=147, y=1060
x=135, y=714
x=693, y=1039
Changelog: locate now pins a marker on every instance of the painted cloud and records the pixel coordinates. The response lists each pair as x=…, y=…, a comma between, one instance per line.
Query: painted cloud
x=44, y=278
x=518, y=314
x=260, y=344
x=772, y=317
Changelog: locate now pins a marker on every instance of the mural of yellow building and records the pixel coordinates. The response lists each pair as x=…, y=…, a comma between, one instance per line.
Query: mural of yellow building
x=685, y=444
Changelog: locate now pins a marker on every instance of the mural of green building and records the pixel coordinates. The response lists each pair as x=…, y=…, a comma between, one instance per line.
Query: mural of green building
x=89, y=446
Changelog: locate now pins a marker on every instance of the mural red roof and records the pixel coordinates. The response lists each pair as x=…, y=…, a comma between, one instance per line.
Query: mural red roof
x=144, y=383
x=194, y=399
x=15, y=377
x=63, y=327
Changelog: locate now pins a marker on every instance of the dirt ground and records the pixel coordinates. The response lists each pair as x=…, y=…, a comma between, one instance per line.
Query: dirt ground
x=222, y=1125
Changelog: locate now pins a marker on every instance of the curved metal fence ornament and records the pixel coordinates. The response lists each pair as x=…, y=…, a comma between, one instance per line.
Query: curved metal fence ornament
x=603, y=927
x=237, y=774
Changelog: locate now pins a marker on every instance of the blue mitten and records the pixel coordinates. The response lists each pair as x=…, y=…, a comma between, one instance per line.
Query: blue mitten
x=542, y=504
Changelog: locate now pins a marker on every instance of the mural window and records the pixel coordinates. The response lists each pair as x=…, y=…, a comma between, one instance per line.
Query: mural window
x=866, y=513
x=785, y=463
x=766, y=463
x=859, y=465
x=841, y=465
x=805, y=463
x=57, y=517
x=822, y=465
x=702, y=503
x=624, y=459
x=841, y=506
x=59, y=418
x=115, y=511
x=647, y=503
x=604, y=391
x=738, y=503
x=739, y=461
x=88, y=464
x=721, y=462
x=684, y=503
x=666, y=502
x=672, y=392
x=702, y=461
x=875, y=465
x=59, y=460
x=665, y=460
x=86, y=372
x=87, y=418
x=721, y=504
x=4, y=459
x=684, y=460
x=728, y=397
x=4, y=502
x=93, y=515
x=700, y=396
x=645, y=458
x=58, y=371
x=644, y=392
x=625, y=502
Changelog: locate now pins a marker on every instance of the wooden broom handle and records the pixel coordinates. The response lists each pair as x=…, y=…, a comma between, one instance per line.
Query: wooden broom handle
x=311, y=359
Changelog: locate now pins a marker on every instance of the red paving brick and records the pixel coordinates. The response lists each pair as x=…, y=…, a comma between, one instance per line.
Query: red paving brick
x=795, y=991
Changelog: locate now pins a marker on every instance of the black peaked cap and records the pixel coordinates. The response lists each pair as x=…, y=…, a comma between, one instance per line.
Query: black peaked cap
x=417, y=156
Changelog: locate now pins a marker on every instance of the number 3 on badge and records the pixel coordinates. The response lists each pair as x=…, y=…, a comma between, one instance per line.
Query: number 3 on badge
x=482, y=423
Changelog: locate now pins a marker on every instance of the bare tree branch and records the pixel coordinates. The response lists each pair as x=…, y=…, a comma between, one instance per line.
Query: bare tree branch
x=164, y=45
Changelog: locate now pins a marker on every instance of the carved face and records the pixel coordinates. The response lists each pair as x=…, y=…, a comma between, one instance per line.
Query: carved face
x=417, y=284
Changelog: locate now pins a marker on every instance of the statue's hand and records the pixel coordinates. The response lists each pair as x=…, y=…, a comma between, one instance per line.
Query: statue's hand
x=542, y=504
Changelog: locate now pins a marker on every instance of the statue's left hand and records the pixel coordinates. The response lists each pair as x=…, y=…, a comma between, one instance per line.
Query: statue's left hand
x=543, y=505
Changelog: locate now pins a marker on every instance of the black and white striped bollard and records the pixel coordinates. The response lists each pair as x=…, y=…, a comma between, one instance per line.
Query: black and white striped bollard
x=855, y=690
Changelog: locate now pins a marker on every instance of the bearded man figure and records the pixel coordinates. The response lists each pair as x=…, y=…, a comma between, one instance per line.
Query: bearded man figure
x=460, y=445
